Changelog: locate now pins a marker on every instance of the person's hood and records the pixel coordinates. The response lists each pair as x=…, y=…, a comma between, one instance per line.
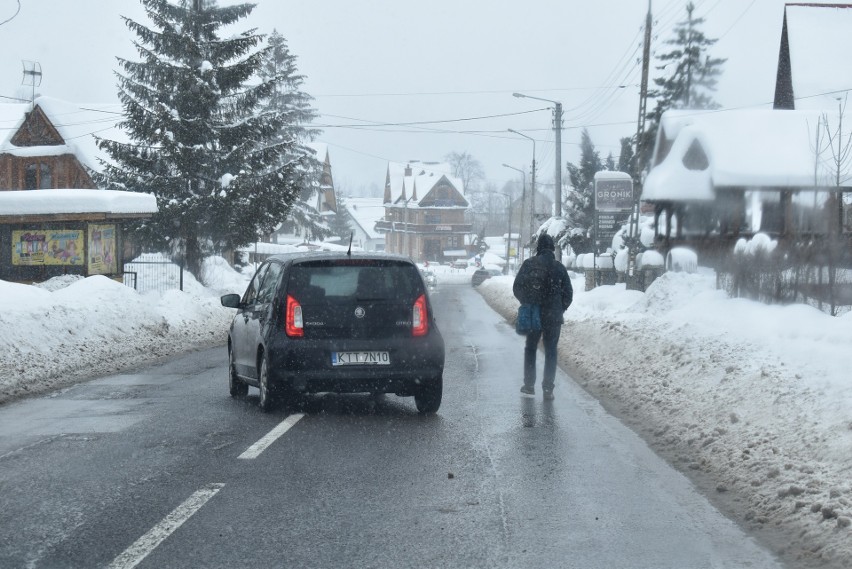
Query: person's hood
x=545, y=243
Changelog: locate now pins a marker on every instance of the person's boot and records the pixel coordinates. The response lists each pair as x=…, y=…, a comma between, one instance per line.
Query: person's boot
x=548, y=395
x=528, y=389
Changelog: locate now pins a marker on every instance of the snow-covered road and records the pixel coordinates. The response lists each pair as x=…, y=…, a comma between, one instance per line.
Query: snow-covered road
x=752, y=401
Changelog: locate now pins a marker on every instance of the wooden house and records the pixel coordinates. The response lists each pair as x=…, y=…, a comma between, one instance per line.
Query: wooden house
x=424, y=212
x=322, y=200
x=53, y=218
x=718, y=175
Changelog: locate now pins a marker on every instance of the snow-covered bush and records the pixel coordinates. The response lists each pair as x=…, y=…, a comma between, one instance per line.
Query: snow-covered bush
x=604, y=262
x=682, y=260
x=650, y=260
x=620, y=261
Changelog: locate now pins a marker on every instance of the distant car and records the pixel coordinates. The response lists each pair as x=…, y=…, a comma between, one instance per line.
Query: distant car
x=483, y=274
x=430, y=279
x=334, y=322
x=459, y=264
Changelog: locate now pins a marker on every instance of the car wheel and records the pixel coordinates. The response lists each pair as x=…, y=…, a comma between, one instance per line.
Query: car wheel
x=236, y=386
x=428, y=397
x=267, y=395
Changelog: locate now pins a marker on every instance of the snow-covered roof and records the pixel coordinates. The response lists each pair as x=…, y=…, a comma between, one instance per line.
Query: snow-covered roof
x=76, y=124
x=423, y=177
x=751, y=148
x=819, y=42
x=366, y=212
x=11, y=119
x=612, y=175
x=76, y=201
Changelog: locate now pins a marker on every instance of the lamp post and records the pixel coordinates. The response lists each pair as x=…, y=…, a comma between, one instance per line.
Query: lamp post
x=532, y=187
x=557, y=129
x=521, y=220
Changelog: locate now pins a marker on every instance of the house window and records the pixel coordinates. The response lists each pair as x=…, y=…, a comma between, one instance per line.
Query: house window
x=37, y=177
x=695, y=158
x=433, y=218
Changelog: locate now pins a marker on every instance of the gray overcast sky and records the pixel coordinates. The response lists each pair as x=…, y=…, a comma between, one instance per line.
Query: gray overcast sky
x=400, y=61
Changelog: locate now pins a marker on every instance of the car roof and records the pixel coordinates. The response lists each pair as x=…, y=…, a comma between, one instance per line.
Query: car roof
x=289, y=258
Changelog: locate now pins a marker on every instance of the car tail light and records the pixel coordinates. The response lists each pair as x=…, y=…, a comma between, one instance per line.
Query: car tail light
x=293, y=324
x=419, y=317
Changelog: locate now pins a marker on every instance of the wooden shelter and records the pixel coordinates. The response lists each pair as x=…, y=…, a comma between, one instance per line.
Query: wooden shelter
x=53, y=218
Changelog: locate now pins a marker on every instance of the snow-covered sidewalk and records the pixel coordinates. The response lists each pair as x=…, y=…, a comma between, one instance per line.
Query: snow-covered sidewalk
x=754, y=402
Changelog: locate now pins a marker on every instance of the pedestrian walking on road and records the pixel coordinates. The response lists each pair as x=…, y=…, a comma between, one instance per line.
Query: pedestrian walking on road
x=543, y=281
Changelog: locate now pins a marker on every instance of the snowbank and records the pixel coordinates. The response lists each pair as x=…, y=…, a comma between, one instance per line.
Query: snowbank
x=71, y=328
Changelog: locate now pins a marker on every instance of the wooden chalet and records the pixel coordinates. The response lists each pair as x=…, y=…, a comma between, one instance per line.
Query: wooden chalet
x=719, y=175
x=424, y=213
x=323, y=199
x=53, y=218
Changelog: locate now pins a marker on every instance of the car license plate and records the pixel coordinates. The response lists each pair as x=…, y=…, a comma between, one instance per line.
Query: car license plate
x=360, y=358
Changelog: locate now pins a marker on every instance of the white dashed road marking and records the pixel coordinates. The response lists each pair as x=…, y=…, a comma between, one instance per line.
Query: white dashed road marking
x=134, y=554
x=254, y=450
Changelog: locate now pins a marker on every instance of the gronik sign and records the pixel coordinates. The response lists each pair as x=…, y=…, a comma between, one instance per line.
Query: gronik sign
x=613, y=204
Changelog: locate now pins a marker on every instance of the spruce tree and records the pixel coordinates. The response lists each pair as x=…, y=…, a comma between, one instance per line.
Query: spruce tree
x=198, y=139
x=287, y=98
x=580, y=210
x=689, y=76
x=626, y=160
x=341, y=224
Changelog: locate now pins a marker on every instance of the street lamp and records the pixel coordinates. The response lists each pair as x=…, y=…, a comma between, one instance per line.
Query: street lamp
x=557, y=128
x=532, y=187
x=521, y=220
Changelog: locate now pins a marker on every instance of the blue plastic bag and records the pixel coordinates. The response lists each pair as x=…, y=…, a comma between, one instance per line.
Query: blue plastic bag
x=529, y=319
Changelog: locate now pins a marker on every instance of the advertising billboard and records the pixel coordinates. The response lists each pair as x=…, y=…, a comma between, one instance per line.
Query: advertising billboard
x=101, y=251
x=47, y=247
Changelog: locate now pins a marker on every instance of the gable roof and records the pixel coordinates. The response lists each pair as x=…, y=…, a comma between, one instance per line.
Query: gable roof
x=753, y=148
x=366, y=212
x=813, y=64
x=77, y=125
x=415, y=180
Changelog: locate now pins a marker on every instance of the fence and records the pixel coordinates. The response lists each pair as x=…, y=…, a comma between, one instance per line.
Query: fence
x=153, y=273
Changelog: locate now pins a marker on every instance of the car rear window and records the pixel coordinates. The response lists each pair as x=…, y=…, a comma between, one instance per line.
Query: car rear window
x=362, y=279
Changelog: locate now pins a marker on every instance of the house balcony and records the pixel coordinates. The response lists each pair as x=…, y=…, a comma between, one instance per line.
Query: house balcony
x=424, y=228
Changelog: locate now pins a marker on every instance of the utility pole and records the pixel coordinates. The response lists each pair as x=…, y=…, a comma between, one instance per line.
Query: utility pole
x=633, y=230
x=557, y=191
x=532, y=191
x=643, y=92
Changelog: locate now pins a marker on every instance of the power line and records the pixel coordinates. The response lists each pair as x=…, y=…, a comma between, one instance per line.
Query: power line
x=18, y=11
x=475, y=92
x=737, y=21
x=414, y=123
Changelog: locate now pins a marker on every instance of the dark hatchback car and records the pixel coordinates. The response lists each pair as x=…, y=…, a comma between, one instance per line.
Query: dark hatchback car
x=336, y=322
x=481, y=275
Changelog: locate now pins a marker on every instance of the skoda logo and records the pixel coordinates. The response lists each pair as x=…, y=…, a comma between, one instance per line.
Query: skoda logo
x=359, y=312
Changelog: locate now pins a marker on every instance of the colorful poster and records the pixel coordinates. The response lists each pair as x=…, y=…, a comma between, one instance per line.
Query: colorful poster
x=101, y=250
x=47, y=247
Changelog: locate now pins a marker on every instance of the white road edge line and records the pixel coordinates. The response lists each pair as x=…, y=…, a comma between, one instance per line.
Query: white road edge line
x=143, y=546
x=254, y=450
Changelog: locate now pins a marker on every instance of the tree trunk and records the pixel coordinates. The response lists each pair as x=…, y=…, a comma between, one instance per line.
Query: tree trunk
x=193, y=256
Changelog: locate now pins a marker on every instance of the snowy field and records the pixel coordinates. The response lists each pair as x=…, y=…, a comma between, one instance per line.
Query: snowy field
x=754, y=402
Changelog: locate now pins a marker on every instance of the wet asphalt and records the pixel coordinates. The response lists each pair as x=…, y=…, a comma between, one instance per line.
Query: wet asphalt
x=494, y=480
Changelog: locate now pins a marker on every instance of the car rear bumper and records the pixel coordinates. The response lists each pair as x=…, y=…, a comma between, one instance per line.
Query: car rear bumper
x=305, y=365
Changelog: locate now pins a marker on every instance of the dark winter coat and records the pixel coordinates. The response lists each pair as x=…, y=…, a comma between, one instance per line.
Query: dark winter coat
x=560, y=293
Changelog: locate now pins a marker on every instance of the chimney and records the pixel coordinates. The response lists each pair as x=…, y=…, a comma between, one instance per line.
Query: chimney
x=407, y=170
